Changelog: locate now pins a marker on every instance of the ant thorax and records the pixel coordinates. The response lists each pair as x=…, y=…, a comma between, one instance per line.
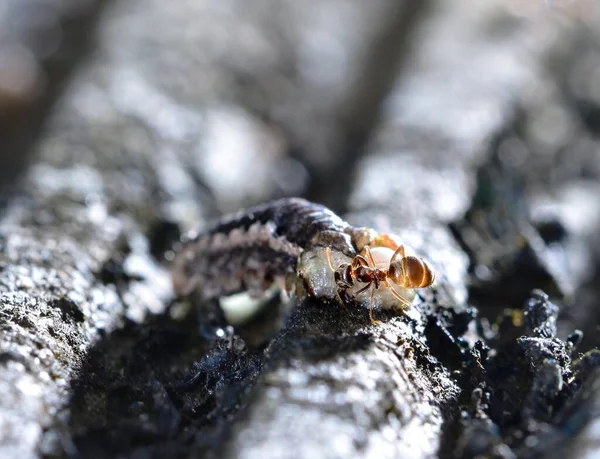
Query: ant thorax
x=317, y=280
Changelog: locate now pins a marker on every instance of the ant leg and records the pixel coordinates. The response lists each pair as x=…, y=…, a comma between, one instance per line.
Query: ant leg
x=370, y=257
x=399, y=252
x=328, y=252
x=373, y=320
x=362, y=289
x=398, y=296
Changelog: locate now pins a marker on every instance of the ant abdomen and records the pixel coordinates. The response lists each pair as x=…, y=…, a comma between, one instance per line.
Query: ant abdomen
x=411, y=272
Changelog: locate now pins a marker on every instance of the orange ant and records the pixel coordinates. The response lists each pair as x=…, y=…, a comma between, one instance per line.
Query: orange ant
x=408, y=272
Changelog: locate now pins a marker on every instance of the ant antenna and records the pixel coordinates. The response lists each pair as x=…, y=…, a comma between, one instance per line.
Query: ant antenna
x=328, y=251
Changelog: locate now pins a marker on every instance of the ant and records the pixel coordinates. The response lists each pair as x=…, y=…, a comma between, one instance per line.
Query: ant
x=406, y=271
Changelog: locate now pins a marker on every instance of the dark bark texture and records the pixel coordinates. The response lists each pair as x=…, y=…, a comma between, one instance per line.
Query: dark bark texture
x=468, y=128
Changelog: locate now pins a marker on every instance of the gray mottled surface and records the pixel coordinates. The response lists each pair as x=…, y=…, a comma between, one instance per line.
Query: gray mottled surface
x=184, y=110
x=40, y=44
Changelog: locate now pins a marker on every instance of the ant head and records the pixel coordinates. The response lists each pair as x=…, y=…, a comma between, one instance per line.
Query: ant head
x=411, y=272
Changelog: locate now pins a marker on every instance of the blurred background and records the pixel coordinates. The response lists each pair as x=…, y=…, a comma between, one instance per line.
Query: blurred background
x=153, y=117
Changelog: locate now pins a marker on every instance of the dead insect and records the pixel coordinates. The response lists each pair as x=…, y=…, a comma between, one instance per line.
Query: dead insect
x=408, y=272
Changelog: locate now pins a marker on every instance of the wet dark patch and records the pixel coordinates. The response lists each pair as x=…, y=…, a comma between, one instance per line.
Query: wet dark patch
x=69, y=309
